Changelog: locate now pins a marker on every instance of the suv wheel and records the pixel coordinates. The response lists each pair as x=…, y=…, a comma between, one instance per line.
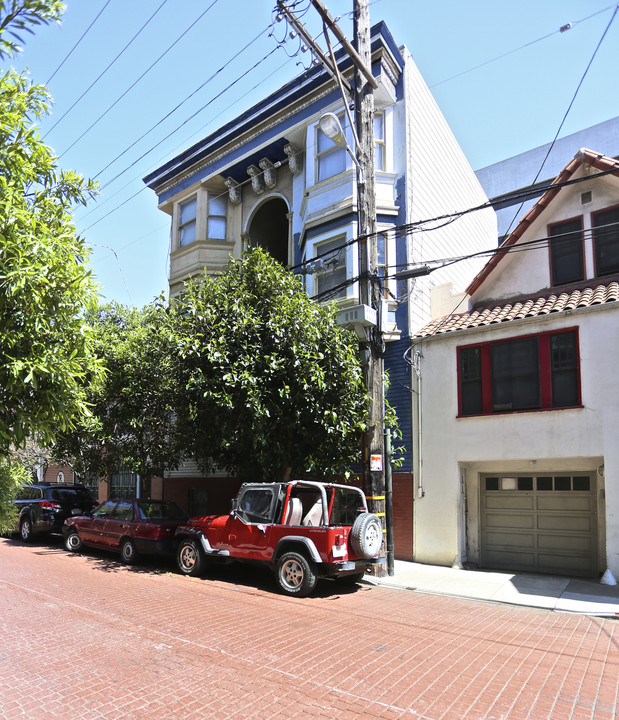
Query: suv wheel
x=25, y=529
x=295, y=575
x=73, y=542
x=366, y=536
x=128, y=553
x=189, y=557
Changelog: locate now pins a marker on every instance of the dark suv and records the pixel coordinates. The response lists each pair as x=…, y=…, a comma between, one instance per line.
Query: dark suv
x=43, y=507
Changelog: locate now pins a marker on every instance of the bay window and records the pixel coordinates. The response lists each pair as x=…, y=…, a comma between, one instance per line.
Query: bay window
x=187, y=214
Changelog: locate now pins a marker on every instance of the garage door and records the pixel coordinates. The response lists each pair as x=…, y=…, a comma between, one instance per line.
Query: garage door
x=545, y=523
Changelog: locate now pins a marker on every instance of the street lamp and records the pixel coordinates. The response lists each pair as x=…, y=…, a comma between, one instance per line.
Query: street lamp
x=330, y=125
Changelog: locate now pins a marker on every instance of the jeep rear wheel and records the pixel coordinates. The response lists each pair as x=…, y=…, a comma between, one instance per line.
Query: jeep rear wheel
x=366, y=536
x=295, y=575
x=189, y=558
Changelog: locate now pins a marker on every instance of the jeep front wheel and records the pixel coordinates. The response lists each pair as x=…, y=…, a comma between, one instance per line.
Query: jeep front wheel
x=366, y=536
x=189, y=557
x=295, y=575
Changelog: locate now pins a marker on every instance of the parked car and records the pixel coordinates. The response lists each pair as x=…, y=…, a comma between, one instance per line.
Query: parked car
x=131, y=527
x=43, y=507
x=302, y=530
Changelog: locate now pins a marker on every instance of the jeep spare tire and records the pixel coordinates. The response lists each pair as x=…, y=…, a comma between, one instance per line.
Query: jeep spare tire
x=366, y=536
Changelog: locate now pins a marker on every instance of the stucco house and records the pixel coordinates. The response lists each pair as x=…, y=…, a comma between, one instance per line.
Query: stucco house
x=519, y=460
x=271, y=178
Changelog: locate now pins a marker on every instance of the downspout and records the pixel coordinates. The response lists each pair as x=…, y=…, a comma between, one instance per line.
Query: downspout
x=419, y=455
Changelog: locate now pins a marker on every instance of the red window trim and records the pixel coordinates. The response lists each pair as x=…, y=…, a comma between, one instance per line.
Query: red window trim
x=545, y=373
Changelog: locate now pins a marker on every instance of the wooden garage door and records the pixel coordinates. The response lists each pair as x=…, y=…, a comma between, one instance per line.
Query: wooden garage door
x=545, y=523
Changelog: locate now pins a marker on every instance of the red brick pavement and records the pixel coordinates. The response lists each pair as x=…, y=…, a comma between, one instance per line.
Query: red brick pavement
x=84, y=637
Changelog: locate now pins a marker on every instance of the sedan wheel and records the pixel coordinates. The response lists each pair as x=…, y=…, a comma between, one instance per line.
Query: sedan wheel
x=128, y=553
x=73, y=542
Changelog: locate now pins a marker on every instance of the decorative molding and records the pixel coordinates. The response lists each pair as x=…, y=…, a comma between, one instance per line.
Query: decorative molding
x=270, y=173
x=257, y=180
x=234, y=190
x=295, y=159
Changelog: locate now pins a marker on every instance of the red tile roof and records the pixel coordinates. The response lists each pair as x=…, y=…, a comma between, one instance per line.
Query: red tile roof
x=583, y=156
x=552, y=301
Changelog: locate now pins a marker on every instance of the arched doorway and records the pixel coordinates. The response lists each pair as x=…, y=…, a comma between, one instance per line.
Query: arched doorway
x=268, y=229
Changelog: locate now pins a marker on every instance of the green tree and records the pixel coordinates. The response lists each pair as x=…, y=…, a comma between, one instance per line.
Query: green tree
x=270, y=384
x=131, y=424
x=45, y=283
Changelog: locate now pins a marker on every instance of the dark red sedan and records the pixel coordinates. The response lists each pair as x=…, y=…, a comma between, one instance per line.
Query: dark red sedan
x=131, y=527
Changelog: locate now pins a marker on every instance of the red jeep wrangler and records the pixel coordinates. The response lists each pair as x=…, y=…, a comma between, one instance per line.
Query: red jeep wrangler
x=302, y=530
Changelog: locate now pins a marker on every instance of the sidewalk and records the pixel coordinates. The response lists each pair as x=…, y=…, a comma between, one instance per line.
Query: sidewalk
x=550, y=592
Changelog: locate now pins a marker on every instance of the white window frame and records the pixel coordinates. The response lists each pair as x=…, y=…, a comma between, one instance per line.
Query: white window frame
x=380, y=142
x=192, y=221
x=211, y=215
x=330, y=151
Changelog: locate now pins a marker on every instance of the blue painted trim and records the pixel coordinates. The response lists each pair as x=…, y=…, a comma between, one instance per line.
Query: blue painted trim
x=300, y=87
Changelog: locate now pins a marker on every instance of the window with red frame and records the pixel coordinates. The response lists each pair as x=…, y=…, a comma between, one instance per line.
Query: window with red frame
x=566, y=252
x=536, y=372
x=606, y=241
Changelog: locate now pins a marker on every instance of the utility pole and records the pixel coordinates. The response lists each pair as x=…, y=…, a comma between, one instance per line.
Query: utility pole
x=373, y=447
x=373, y=459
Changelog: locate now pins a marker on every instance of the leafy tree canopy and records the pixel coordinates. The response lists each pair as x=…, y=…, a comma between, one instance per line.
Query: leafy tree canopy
x=132, y=404
x=45, y=284
x=270, y=384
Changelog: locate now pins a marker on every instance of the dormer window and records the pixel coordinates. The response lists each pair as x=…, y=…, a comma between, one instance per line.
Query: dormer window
x=606, y=241
x=566, y=252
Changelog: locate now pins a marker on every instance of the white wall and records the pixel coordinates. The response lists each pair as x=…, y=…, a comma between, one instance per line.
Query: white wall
x=529, y=271
x=571, y=439
x=440, y=181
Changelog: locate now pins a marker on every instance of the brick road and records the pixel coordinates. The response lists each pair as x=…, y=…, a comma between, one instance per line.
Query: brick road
x=86, y=637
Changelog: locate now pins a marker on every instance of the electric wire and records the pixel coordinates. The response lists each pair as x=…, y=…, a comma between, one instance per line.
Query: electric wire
x=561, y=30
x=68, y=55
x=94, y=82
x=183, y=143
x=230, y=85
x=148, y=69
x=582, y=79
x=175, y=109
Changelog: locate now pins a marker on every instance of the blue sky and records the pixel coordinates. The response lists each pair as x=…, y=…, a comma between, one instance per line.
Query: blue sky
x=501, y=72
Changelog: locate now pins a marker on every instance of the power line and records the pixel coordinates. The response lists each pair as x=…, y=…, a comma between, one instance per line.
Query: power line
x=163, y=54
x=171, y=112
x=90, y=87
x=562, y=29
x=582, y=79
x=236, y=80
x=68, y=55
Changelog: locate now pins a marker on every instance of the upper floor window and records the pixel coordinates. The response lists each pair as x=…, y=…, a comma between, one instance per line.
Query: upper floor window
x=567, y=252
x=606, y=241
x=217, y=208
x=187, y=215
x=330, y=279
x=379, y=141
x=330, y=159
x=537, y=372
